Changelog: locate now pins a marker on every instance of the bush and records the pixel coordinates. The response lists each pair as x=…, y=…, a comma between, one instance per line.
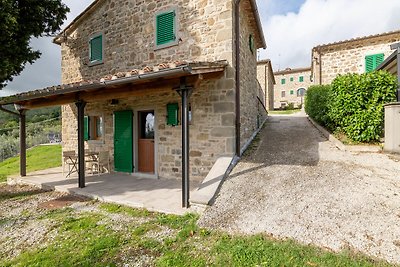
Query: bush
x=356, y=105
x=316, y=104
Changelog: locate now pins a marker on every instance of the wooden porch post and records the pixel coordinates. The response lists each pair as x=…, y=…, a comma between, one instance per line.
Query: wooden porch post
x=22, y=142
x=185, y=91
x=81, y=143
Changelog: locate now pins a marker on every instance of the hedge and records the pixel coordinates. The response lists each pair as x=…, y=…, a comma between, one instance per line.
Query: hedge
x=357, y=104
x=354, y=104
x=316, y=103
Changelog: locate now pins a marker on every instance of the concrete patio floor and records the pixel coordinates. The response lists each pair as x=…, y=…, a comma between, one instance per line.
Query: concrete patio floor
x=160, y=195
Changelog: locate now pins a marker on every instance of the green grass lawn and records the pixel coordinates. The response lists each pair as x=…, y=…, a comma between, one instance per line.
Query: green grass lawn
x=113, y=235
x=284, y=112
x=37, y=158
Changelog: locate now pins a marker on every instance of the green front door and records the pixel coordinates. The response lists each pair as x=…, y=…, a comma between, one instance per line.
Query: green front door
x=123, y=141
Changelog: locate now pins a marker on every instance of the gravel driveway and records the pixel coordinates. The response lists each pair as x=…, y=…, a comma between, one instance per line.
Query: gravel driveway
x=293, y=183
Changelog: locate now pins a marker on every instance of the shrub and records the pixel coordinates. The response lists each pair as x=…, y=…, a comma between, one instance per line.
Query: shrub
x=356, y=105
x=316, y=104
x=290, y=106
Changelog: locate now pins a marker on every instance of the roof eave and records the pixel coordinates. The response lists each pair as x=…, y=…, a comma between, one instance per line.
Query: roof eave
x=185, y=70
x=259, y=24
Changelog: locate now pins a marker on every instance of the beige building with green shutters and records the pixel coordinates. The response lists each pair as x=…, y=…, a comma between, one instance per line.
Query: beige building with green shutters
x=358, y=55
x=291, y=87
x=114, y=40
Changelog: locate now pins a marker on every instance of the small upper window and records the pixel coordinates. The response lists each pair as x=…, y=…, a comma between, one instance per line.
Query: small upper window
x=251, y=43
x=283, y=81
x=291, y=79
x=166, y=29
x=96, y=49
x=373, y=61
x=301, y=79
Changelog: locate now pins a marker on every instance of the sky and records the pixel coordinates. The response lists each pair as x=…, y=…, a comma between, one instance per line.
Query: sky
x=291, y=28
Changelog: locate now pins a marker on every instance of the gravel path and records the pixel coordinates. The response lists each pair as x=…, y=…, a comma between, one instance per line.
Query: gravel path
x=293, y=183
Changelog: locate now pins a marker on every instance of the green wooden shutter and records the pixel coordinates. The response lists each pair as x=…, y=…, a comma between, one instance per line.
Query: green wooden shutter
x=86, y=128
x=373, y=61
x=172, y=114
x=369, y=63
x=291, y=79
x=165, y=28
x=291, y=92
x=96, y=49
x=301, y=79
x=123, y=141
x=283, y=81
x=379, y=59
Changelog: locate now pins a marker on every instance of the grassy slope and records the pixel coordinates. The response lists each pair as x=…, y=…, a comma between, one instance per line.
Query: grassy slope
x=38, y=158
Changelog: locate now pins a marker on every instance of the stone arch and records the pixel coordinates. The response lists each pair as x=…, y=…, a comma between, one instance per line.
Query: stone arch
x=301, y=91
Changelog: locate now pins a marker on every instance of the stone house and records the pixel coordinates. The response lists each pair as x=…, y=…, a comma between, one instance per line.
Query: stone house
x=266, y=78
x=137, y=75
x=358, y=55
x=291, y=86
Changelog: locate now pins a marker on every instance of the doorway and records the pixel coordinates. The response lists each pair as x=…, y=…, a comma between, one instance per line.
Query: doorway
x=146, y=131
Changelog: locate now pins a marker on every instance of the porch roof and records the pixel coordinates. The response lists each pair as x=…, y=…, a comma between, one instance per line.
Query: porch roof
x=162, y=74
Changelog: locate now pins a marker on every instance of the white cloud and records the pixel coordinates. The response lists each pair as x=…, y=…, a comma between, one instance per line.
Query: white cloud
x=291, y=37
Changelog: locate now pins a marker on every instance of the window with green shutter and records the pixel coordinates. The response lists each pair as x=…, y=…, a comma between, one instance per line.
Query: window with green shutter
x=93, y=128
x=373, y=61
x=291, y=79
x=283, y=81
x=301, y=79
x=291, y=92
x=251, y=43
x=96, y=49
x=166, y=28
x=172, y=114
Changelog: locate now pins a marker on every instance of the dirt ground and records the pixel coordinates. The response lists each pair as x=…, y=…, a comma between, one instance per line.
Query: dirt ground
x=293, y=183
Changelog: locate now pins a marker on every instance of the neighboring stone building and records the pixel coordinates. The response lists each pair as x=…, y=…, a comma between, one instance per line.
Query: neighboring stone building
x=358, y=55
x=126, y=61
x=291, y=86
x=266, y=78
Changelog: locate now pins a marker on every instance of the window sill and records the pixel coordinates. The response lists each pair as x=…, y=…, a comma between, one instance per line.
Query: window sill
x=168, y=45
x=95, y=63
x=96, y=142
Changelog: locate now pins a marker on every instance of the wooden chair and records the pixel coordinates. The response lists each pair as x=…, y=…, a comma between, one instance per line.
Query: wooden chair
x=70, y=159
x=103, y=162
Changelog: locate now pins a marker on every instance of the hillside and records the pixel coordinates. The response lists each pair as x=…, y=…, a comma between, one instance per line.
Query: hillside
x=43, y=126
x=38, y=158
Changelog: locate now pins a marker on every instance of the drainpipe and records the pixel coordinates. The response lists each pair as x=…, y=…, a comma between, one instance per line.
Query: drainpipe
x=320, y=66
x=237, y=74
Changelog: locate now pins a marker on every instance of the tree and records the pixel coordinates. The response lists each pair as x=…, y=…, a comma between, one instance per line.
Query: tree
x=20, y=20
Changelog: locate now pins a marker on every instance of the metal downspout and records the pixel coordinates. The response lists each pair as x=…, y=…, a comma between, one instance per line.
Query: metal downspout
x=237, y=75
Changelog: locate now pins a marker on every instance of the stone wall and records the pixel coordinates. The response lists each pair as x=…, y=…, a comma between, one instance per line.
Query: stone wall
x=291, y=86
x=348, y=57
x=250, y=114
x=205, y=34
x=265, y=77
x=212, y=131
